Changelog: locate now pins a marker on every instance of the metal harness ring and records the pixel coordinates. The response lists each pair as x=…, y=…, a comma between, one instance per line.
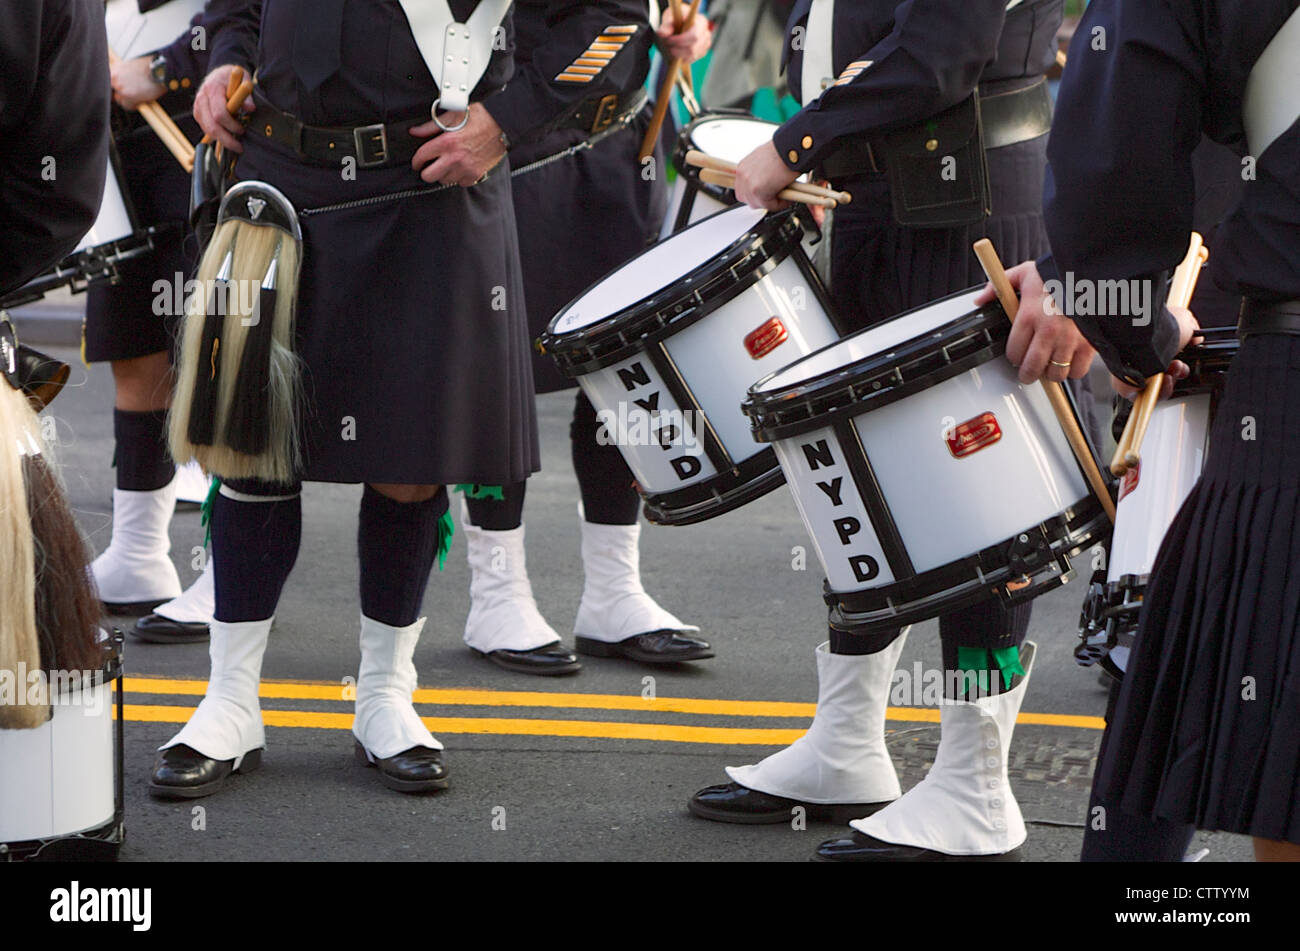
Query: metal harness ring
x=433, y=110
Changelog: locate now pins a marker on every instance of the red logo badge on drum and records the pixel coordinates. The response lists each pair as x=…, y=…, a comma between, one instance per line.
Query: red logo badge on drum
x=766, y=338
x=1130, y=481
x=973, y=435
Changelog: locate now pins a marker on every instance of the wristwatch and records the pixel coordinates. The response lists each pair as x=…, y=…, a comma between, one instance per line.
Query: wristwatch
x=158, y=69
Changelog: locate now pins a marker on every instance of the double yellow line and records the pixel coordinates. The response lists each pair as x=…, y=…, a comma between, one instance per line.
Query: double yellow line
x=514, y=726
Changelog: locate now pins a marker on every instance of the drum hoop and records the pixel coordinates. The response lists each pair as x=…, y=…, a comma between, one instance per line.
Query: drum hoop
x=721, y=493
x=915, y=599
x=751, y=257
x=877, y=380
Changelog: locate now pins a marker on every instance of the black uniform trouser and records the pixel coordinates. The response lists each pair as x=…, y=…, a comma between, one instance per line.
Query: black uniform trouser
x=608, y=494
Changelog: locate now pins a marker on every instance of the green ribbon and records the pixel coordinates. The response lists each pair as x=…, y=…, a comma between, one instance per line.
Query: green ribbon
x=446, y=529
x=1005, y=660
x=205, y=519
x=1008, y=661
x=483, y=492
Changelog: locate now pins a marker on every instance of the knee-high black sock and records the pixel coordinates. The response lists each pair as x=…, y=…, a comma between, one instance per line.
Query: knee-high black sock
x=499, y=515
x=852, y=642
x=608, y=497
x=141, y=456
x=255, y=544
x=1112, y=835
x=397, y=543
x=985, y=637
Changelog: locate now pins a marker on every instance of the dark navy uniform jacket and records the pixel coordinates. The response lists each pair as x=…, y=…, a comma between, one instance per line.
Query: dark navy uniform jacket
x=377, y=75
x=1119, y=200
x=54, y=104
x=551, y=38
x=926, y=55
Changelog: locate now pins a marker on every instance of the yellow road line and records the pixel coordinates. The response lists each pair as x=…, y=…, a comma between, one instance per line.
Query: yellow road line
x=501, y=726
x=304, y=690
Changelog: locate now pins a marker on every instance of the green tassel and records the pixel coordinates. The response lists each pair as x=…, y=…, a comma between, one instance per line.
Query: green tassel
x=206, y=509
x=446, y=529
x=1008, y=661
x=482, y=492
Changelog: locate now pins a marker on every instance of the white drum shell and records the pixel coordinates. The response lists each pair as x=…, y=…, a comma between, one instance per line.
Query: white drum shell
x=1173, y=452
x=946, y=507
x=715, y=364
x=113, y=222
x=132, y=33
x=58, y=779
x=730, y=138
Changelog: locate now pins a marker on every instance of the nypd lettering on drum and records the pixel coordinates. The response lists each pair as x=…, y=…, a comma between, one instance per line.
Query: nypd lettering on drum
x=836, y=517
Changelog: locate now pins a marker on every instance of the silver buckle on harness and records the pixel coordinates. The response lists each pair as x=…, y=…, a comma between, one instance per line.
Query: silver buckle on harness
x=371, y=144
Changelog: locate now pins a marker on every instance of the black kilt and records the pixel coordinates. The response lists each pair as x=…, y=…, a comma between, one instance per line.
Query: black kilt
x=579, y=219
x=130, y=319
x=411, y=326
x=1208, y=725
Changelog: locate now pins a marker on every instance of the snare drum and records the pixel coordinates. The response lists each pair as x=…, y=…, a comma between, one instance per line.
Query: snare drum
x=1150, y=495
x=115, y=237
x=61, y=793
x=665, y=347
x=927, y=475
x=728, y=137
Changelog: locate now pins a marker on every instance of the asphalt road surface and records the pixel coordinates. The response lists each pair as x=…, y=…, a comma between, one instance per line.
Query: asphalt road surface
x=597, y=766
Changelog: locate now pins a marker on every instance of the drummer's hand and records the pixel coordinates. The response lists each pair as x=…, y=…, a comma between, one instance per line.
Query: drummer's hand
x=760, y=177
x=689, y=45
x=211, y=113
x=1041, y=338
x=1187, y=327
x=462, y=157
x=133, y=83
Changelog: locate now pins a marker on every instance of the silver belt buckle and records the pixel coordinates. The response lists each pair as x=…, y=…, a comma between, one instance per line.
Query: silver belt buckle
x=371, y=144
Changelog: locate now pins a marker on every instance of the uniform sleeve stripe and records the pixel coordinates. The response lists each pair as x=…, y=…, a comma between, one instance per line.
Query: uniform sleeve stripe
x=623, y=28
x=571, y=78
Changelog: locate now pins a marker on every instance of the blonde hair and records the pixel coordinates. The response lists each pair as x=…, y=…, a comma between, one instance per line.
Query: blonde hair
x=252, y=248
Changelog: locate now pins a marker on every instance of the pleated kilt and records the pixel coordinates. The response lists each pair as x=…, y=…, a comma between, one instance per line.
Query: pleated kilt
x=411, y=325
x=1207, y=730
x=580, y=218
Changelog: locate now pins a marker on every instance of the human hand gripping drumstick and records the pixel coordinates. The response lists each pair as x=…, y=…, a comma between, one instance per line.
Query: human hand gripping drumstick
x=992, y=265
x=728, y=180
x=671, y=68
x=163, y=126
x=704, y=161
x=1128, y=452
x=238, y=89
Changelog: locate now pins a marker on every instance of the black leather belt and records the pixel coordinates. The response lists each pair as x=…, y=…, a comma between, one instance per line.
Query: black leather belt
x=1260, y=317
x=597, y=115
x=378, y=145
x=1008, y=118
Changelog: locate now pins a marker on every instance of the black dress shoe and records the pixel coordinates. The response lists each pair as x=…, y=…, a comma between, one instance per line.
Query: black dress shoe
x=157, y=629
x=732, y=802
x=132, y=608
x=657, y=647
x=864, y=848
x=182, y=772
x=416, y=770
x=549, y=660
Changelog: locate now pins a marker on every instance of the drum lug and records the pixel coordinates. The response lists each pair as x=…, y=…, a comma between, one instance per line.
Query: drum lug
x=1028, y=552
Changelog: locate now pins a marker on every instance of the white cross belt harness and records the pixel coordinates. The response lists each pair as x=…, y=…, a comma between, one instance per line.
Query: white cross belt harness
x=1271, y=103
x=457, y=54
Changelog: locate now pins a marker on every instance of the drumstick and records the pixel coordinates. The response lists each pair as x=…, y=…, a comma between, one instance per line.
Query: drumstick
x=1181, y=288
x=706, y=161
x=1055, y=392
x=235, y=101
x=163, y=127
x=671, y=69
x=726, y=180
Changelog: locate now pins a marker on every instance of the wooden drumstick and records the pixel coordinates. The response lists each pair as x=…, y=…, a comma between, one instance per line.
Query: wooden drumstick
x=727, y=180
x=235, y=101
x=1181, y=288
x=703, y=160
x=163, y=126
x=1055, y=391
x=671, y=68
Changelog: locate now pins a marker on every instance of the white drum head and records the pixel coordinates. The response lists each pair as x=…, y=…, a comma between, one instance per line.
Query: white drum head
x=731, y=138
x=869, y=343
x=665, y=264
